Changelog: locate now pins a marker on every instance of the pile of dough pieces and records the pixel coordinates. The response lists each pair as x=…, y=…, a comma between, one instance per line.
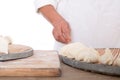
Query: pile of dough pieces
x=80, y=52
x=4, y=44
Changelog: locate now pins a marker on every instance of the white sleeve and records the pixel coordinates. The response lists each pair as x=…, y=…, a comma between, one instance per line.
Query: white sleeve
x=41, y=3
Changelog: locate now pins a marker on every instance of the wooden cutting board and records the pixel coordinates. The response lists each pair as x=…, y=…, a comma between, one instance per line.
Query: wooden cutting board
x=42, y=63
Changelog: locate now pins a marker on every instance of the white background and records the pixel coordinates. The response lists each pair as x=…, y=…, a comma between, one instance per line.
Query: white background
x=19, y=20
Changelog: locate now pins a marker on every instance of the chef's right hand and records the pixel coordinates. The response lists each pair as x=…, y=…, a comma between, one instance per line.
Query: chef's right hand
x=61, y=31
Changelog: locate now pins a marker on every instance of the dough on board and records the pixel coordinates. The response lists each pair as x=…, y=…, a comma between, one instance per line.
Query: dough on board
x=72, y=49
x=89, y=55
x=78, y=51
x=4, y=42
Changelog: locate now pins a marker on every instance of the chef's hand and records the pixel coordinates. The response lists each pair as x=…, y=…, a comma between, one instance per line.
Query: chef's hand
x=61, y=31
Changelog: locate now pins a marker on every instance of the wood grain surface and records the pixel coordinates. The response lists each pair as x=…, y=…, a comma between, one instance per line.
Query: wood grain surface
x=17, y=48
x=42, y=63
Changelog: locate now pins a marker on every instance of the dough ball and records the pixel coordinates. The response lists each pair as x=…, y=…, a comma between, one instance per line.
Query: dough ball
x=107, y=57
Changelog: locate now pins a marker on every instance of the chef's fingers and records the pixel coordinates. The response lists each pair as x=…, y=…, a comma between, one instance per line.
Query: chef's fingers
x=59, y=36
x=66, y=31
x=67, y=37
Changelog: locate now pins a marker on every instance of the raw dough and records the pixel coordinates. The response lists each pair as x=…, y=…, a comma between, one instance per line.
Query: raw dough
x=3, y=45
x=72, y=49
x=107, y=57
x=4, y=42
x=80, y=52
x=89, y=55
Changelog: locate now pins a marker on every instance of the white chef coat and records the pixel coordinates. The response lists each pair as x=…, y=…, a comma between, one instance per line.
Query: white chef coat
x=95, y=23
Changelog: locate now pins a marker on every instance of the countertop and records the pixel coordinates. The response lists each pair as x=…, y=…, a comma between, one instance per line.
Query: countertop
x=68, y=73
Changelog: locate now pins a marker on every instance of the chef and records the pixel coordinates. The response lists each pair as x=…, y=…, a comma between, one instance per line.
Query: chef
x=95, y=23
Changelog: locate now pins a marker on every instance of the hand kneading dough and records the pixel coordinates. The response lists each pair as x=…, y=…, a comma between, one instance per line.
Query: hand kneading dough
x=4, y=42
x=107, y=57
x=80, y=52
